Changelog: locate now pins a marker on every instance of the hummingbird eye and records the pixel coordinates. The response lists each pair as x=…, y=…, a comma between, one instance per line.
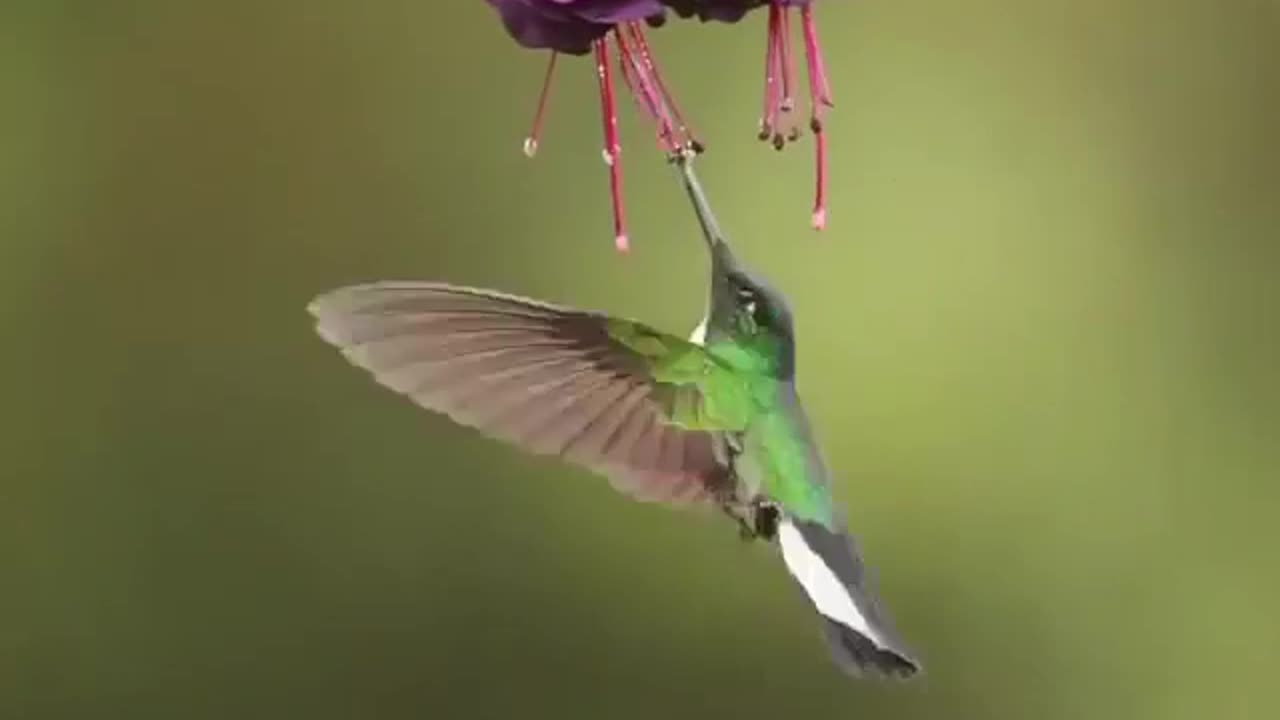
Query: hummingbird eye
x=751, y=302
x=752, y=305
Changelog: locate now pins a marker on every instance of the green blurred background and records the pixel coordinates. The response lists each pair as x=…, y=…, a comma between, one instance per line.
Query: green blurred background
x=1039, y=341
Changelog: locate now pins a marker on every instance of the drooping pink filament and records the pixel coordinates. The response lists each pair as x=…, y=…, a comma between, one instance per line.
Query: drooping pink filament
x=651, y=66
x=768, y=114
x=640, y=81
x=813, y=56
x=612, y=148
x=819, y=99
x=777, y=123
x=644, y=82
x=784, y=57
x=535, y=131
x=632, y=89
x=819, y=220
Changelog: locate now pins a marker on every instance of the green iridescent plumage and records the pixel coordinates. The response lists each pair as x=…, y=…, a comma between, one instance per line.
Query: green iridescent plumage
x=784, y=460
x=731, y=386
x=705, y=390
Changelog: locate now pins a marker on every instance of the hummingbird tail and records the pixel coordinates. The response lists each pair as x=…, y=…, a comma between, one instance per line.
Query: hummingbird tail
x=828, y=568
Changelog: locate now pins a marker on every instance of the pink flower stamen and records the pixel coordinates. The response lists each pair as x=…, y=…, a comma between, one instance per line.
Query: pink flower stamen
x=777, y=123
x=651, y=64
x=612, y=147
x=768, y=112
x=648, y=94
x=633, y=89
x=813, y=56
x=819, y=97
x=819, y=220
x=784, y=43
x=535, y=131
x=648, y=90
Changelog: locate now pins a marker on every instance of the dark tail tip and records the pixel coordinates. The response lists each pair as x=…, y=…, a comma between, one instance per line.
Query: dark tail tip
x=858, y=656
x=828, y=567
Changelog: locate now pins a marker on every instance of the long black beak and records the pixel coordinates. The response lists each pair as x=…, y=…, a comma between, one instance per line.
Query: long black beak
x=722, y=258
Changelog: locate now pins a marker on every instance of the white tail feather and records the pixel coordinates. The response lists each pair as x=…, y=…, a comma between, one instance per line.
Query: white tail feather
x=825, y=590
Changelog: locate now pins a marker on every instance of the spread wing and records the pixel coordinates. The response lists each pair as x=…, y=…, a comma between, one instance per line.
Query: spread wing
x=599, y=392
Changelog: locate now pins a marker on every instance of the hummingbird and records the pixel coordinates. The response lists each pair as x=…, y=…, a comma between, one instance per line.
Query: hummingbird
x=714, y=420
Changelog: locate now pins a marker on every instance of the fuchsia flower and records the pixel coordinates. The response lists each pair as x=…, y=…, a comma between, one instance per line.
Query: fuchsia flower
x=617, y=27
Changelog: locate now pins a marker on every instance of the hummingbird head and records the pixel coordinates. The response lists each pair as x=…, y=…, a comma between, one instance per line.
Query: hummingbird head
x=747, y=311
x=743, y=308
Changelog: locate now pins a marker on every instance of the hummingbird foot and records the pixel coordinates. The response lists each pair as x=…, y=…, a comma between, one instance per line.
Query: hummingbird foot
x=757, y=519
x=765, y=518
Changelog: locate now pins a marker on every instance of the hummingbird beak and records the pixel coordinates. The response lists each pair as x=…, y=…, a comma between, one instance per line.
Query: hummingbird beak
x=720, y=302
x=722, y=259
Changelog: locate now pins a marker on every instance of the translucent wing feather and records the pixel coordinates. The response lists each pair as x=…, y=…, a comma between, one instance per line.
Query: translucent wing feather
x=550, y=380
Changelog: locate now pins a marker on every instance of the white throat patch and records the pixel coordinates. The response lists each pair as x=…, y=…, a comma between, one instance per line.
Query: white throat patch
x=699, y=333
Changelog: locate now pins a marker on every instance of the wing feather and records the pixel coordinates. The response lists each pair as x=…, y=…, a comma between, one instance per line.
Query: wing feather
x=548, y=379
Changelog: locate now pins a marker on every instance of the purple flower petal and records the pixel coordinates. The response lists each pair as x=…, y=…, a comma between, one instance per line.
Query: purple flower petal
x=611, y=12
x=569, y=26
x=728, y=11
